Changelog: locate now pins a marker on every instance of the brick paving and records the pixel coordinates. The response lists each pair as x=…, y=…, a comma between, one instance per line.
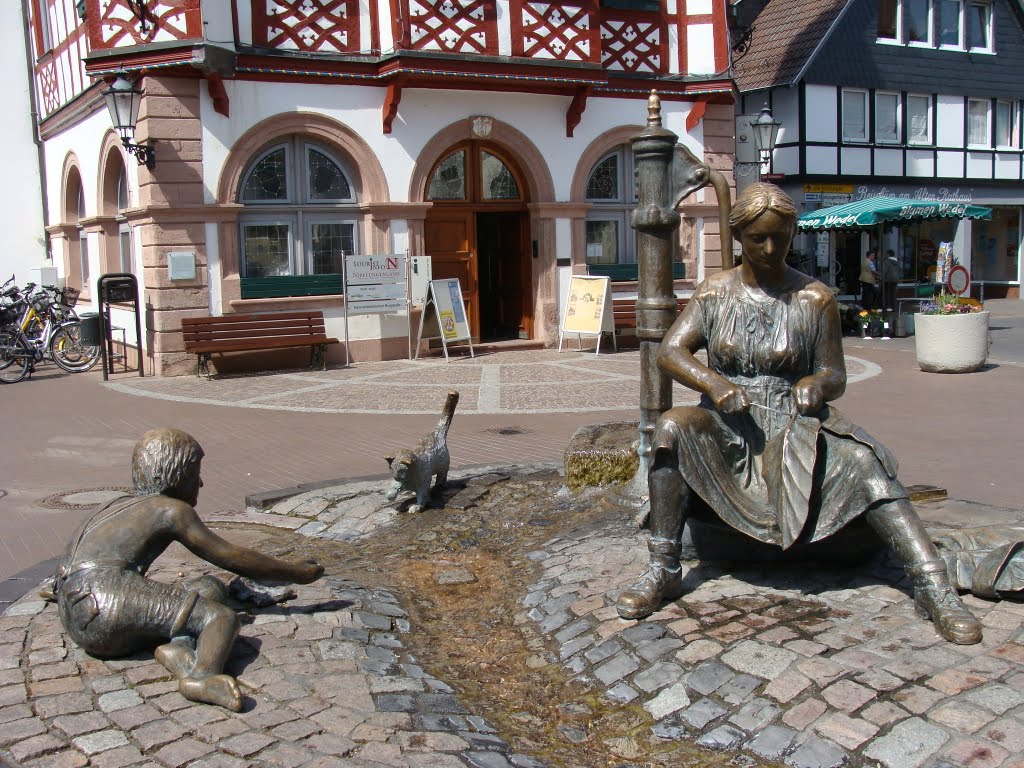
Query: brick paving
x=723, y=669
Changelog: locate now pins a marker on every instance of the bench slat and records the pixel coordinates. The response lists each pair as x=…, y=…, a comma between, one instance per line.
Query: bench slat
x=254, y=330
x=242, y=346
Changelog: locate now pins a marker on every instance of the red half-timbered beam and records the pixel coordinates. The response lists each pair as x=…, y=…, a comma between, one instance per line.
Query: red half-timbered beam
x=576, y=108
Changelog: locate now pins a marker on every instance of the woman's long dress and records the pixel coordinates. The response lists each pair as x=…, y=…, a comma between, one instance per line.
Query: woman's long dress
x=776, y=476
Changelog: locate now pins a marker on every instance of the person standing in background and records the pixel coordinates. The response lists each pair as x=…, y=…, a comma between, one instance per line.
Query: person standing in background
x=890, y=269
x=868, y=278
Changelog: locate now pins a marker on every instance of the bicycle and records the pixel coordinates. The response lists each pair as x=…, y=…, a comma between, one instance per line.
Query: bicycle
x=17, y=353
x=42, y=318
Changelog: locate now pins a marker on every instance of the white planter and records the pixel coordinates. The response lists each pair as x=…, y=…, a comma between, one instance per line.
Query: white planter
x=951, y=343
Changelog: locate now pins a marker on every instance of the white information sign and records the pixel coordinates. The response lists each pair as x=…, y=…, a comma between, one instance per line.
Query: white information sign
x=376, y=284
x=364, y=270
x=588, y=309
x=444, y=304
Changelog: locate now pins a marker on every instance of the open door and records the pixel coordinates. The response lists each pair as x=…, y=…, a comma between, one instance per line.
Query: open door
x=477, y=229
x=506, y=312
x=449, y=237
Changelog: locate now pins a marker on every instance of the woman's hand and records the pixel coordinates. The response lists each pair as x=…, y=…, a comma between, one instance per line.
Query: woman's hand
x=728, y=398
x=809, y=397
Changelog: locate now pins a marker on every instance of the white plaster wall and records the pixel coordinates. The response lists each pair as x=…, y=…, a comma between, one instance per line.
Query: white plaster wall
x=700, y=49
x=387, y=35
x=950, y=163
x=213, y=268
x=1007, y=167
x=950, y=115
x=786, y=109
x=244, y=11
x=822, y=114
x=856, y=161
x=821, y=160
x=920, y=162
x=84, y=140
x=421, y=114
x=217, y=21
x=25, y=245
x=786, y=160
x=888, y=162
x=504, y=21
x=979, y=165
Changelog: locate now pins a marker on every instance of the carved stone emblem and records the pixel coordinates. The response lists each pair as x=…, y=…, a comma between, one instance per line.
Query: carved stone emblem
x=482, y=126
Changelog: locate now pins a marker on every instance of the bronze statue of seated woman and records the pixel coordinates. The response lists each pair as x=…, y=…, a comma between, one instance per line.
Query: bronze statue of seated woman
x=764, y=450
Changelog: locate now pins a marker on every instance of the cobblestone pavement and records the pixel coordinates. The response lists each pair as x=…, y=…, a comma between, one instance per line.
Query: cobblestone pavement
x=814, y=668
x=535, y=381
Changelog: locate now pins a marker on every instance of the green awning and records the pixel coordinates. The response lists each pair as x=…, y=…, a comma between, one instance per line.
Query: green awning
x=878, y=210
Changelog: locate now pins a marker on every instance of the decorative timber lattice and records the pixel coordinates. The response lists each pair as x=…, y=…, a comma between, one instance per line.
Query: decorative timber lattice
x=50, y=88
x=121, y=23
x=451, y=26
x=633, y=44
x=557, y=30
x=317, y=26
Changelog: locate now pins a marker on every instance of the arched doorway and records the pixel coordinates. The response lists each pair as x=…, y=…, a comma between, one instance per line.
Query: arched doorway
x=478, y=230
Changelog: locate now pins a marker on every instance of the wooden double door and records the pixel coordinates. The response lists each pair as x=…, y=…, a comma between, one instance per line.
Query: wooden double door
x=483, y=241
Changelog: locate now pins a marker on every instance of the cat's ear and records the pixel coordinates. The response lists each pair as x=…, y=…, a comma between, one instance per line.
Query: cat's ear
x=389, y=459
x=407, y=460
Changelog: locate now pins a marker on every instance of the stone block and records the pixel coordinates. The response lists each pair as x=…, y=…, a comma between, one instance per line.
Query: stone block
x=908, y=745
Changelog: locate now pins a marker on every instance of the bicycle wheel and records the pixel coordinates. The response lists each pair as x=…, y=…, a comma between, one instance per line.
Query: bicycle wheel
x=68, y=352
x=15, y=359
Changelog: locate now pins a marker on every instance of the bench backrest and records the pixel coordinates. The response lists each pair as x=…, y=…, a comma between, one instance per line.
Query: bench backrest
x=624, y=310
x=231, y=329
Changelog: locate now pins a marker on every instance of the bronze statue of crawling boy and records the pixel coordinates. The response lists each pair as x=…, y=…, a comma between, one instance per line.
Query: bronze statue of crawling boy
x=110, y=608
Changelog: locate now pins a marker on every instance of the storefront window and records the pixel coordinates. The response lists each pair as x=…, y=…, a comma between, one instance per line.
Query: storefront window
x=996, y=246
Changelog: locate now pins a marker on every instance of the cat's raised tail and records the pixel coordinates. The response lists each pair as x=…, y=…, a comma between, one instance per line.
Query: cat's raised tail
x=448, y=412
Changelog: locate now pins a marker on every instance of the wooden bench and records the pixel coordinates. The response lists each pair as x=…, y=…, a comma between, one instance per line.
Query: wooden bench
x=205, y=336
x=624, y=311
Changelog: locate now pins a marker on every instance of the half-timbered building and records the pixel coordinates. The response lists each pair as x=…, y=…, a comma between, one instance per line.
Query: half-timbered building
x=918, y=99
x=490, y=135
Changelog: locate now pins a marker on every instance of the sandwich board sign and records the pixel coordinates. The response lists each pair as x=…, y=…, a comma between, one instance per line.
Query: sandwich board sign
x=446, y=313
x=376, y=284
x=588, y=310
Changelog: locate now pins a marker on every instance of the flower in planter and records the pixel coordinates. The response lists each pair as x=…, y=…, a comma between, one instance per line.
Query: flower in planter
x=947, y=304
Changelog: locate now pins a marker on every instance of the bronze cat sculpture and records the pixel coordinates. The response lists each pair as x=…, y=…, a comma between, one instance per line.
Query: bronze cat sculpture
x=413, y=470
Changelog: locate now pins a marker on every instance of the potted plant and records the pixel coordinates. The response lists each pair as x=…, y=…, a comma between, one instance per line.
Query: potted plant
x=951, y=335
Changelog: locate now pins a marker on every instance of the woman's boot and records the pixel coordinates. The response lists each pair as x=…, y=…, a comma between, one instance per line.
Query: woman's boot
x=935, y=599
x=663, y=580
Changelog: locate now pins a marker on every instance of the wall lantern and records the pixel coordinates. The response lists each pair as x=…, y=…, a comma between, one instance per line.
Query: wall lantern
x=766, y=132
x=761, y=131
x=123, y=99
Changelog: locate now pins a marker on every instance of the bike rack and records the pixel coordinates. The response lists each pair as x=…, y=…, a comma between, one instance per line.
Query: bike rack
x=117, y=288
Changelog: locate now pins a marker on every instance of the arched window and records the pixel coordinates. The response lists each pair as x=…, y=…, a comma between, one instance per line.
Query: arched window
x=611, y=190
x=126, y=253
x=83, y=241
x=472, y=173
x=301, y=212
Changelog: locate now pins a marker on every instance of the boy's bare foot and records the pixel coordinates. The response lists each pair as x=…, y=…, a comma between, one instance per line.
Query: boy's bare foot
x=176, y=658
x=216, y=689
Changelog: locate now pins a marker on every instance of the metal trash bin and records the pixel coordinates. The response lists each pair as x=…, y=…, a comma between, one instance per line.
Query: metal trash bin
x=90, y=330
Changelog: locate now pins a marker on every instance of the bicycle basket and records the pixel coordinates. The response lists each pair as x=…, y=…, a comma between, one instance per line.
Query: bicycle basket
x=71, y=296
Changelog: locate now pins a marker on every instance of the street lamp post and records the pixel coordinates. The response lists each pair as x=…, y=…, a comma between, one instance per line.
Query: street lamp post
x=123, y=101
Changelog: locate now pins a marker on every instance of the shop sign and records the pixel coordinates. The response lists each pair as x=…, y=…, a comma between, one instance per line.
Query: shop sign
x=812, y=197
x=920, y=194
x=835, y=198
x=829, y=189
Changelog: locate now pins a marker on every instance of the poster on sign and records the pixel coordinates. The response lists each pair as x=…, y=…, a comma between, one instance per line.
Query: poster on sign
x=944, y=262
x=444, y=310
x=588, y=309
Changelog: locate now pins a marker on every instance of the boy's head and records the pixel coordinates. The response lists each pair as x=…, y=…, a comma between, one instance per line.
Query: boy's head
x=166, y=461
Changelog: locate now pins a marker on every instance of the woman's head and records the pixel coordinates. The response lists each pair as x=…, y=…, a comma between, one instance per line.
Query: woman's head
x=754, y=201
